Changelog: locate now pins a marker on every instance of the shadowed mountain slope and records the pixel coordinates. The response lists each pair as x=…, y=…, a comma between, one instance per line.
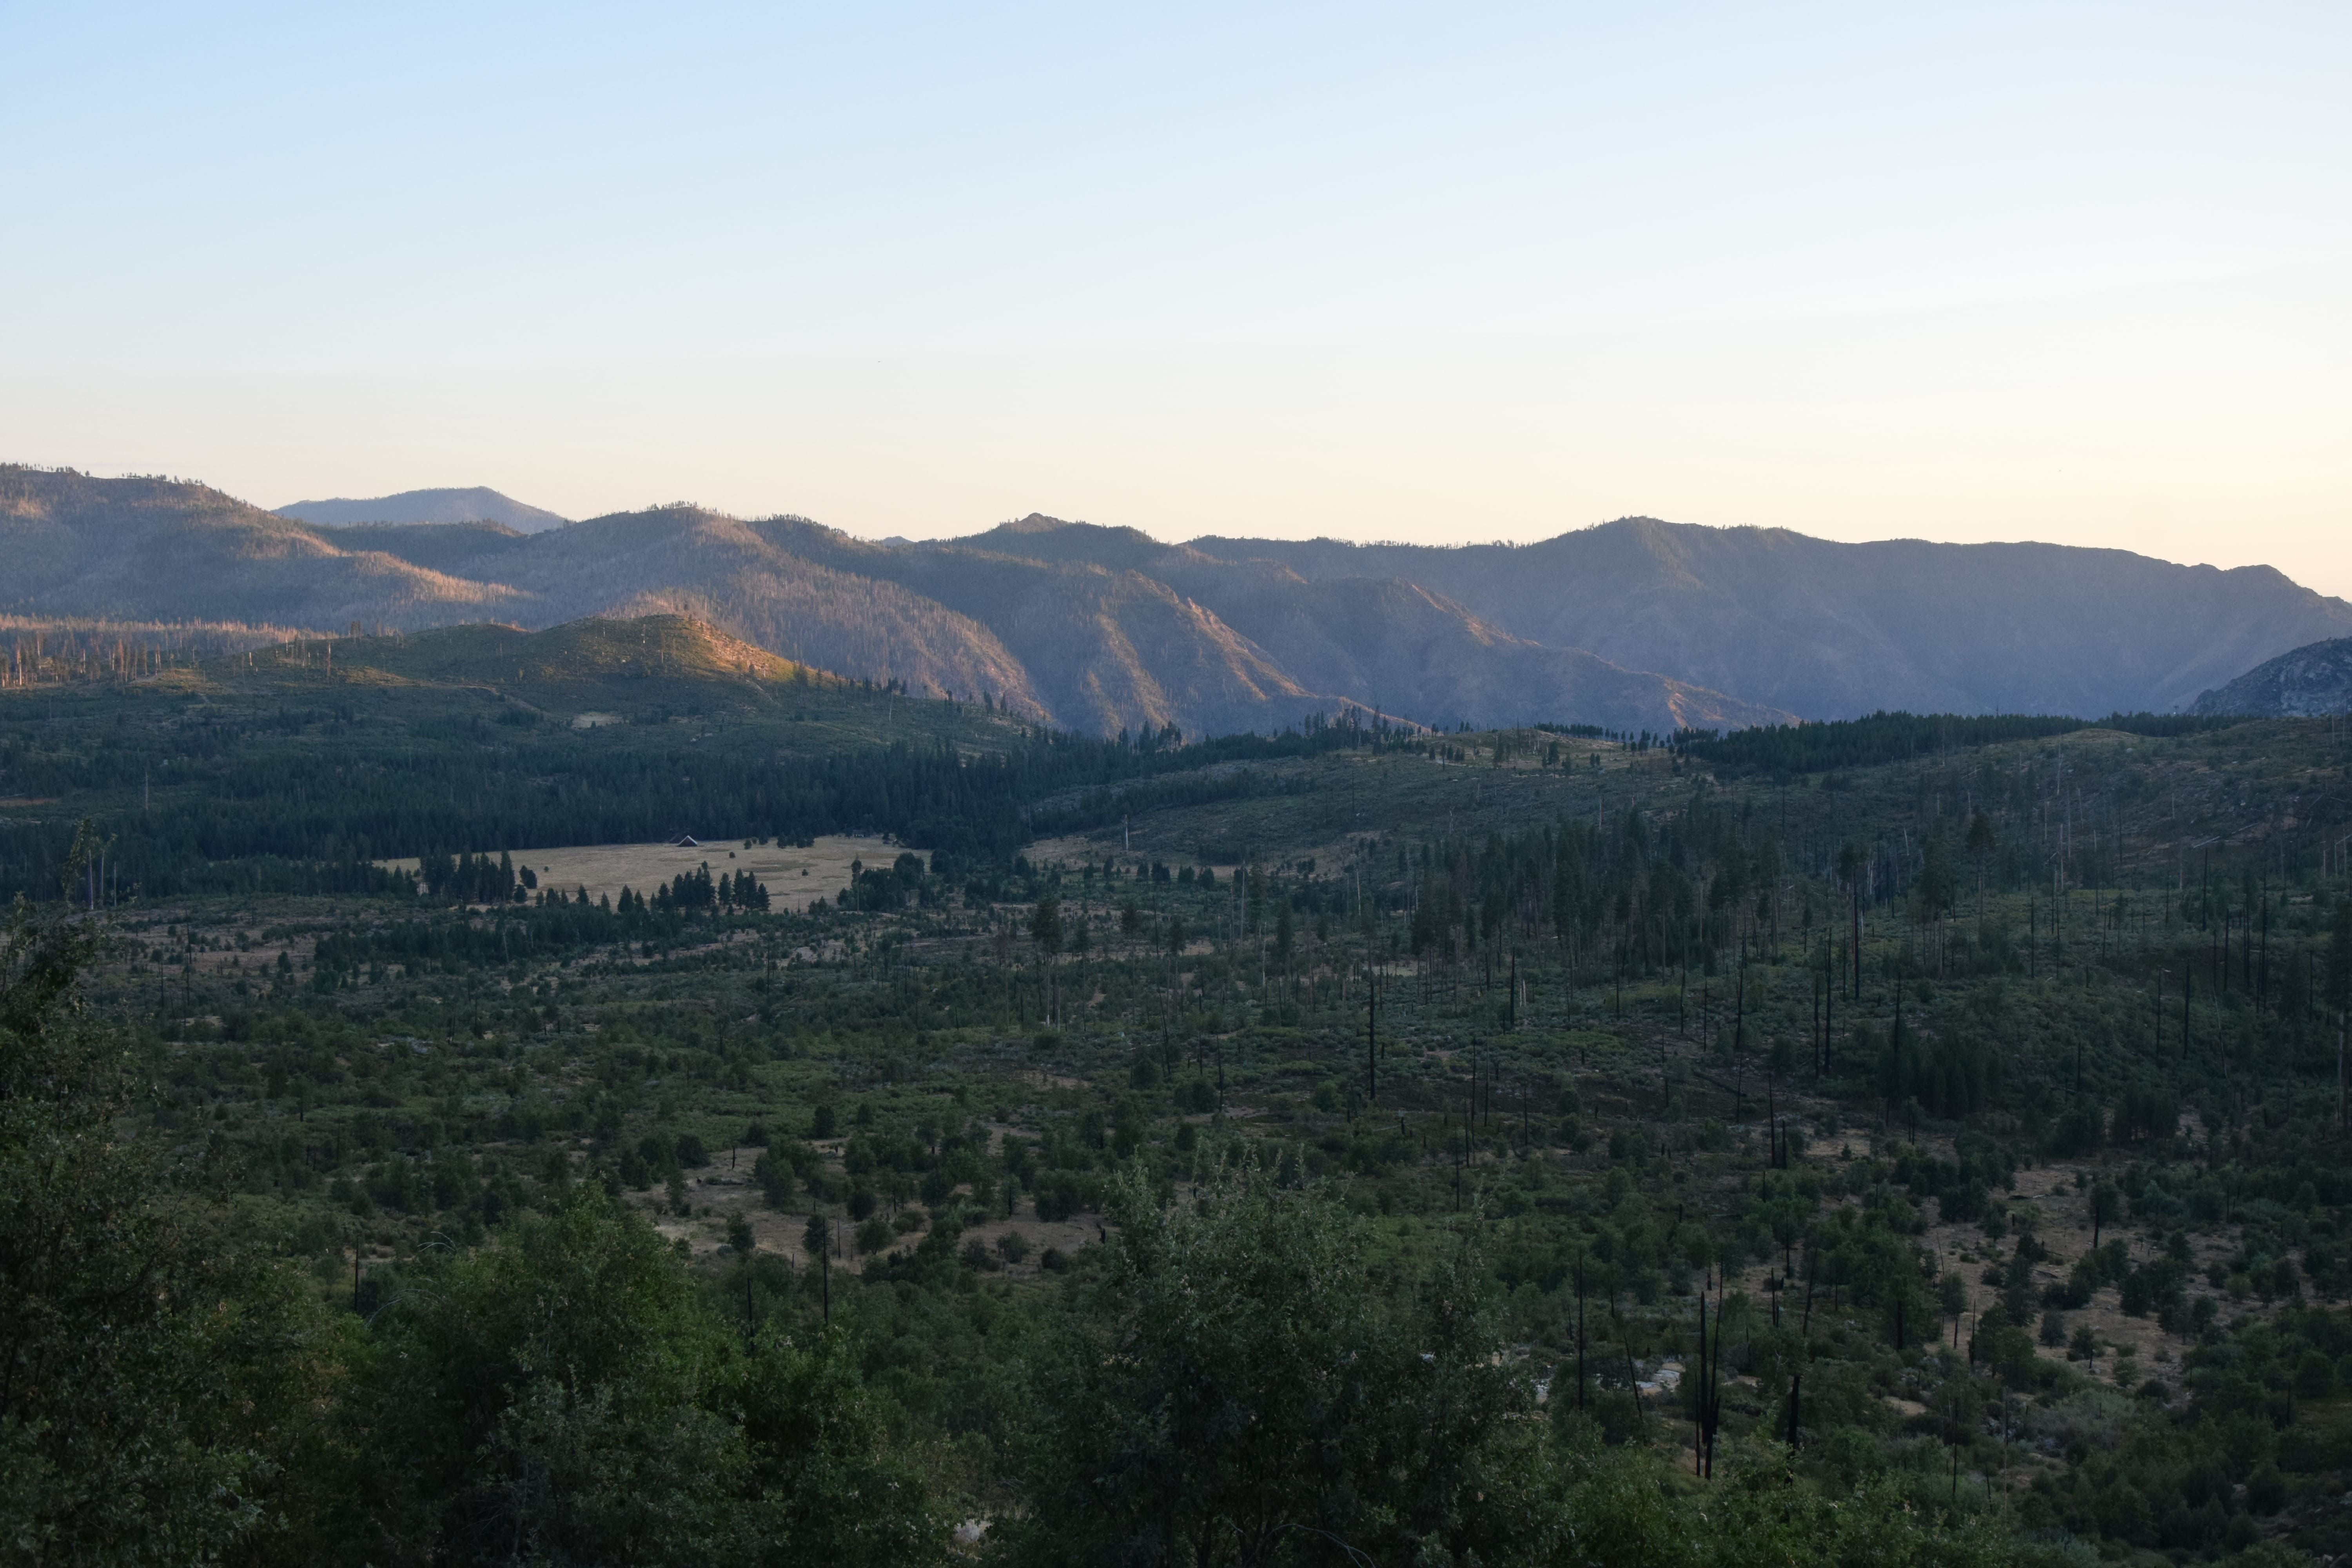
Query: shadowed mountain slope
x=2308, y=682
x=478, y=503
x=156, y=549
x=1833, y=630
x=130, y=549
x=782, y=582
x=1414, y=651
x=1635, y=625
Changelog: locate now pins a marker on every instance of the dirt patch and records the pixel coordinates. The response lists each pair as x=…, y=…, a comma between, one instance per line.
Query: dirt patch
x=1103, y=845
x=2063, y=1214
x=728, y=1191
x=794, y=878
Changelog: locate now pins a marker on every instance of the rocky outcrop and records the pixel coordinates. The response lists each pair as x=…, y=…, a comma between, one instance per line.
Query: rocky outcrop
x=2303, y=683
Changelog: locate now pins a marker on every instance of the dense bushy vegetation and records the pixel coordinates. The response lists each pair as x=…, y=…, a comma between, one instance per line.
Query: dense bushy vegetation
x=268, y=796
x=1504, y=1154
x=1881, y=737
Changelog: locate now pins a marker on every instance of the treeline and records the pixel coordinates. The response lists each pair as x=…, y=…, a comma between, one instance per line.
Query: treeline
x=185, y=794
x=479, y=879
x=553, y=926
x=424, y=945
x=48, y=652
x=257, y=801
x=472, y=879
x=1628, y=893
x=695, y=891
x=1883, y=737
x=1637, y=740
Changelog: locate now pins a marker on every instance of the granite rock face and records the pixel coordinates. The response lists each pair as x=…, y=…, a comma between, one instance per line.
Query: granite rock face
x=2302, y=683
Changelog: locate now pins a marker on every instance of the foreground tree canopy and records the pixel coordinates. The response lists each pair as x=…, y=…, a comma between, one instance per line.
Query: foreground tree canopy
x=1907, y=1142
x=1239, y=1384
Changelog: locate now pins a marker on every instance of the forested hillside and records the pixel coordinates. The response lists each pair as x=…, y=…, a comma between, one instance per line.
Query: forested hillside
x=1918, y=1140
x=2302, y=683
x=1830, y=630
x=295, y=767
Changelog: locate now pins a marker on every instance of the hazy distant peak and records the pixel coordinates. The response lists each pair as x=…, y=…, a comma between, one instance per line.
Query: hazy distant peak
x=1041, y=538
x=478, y=503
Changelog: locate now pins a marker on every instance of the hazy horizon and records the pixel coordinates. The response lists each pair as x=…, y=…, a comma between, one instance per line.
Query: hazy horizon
x=2075, y=276
x=964, y=531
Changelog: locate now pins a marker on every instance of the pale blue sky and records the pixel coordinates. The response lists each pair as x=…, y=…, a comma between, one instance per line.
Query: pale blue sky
x=2071, y=272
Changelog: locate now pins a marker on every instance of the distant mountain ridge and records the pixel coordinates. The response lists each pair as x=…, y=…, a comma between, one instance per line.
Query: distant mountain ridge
x=2307, y=682
x=478, y=503
x=1632, y=625
x=1834, y=630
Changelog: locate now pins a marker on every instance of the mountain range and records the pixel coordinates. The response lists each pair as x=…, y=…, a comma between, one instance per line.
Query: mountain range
x=477, y=503
x=1637, y=624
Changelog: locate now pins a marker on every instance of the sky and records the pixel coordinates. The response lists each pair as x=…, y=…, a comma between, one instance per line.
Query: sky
x=2070, y=272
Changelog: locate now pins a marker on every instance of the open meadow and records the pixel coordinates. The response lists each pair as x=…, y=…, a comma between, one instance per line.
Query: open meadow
x=794, y=876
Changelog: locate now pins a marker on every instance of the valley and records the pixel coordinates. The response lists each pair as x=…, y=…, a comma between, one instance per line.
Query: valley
x=1951, y=1102
x=1171, y=787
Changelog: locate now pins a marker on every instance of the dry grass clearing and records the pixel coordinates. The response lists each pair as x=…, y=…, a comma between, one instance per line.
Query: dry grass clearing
x=2061, y=1215
x=724, y=1188
x=794, y=877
